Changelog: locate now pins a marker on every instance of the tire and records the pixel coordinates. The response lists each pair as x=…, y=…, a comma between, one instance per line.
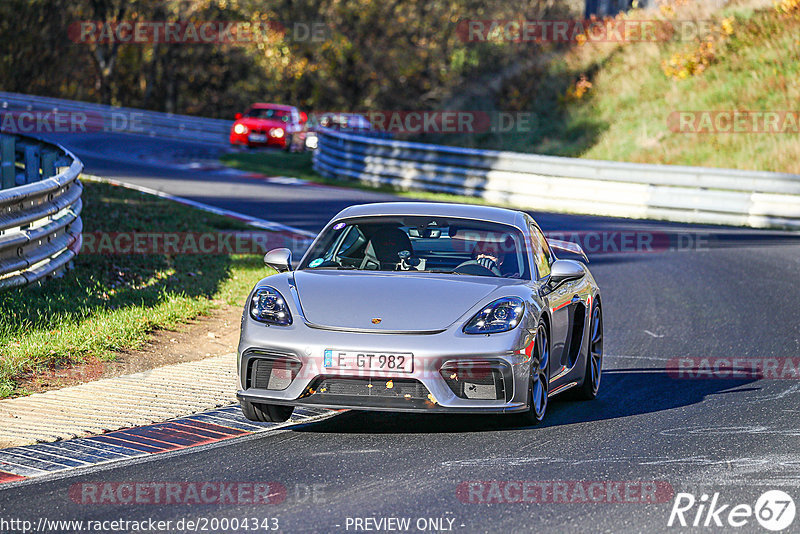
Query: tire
x=594, y=357
x=265, y=413
x=539, y=382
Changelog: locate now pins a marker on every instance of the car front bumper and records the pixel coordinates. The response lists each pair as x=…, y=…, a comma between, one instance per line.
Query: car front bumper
x=267, y=140
x=474, y=360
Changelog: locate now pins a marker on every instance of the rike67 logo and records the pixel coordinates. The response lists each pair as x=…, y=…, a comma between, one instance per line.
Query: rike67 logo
x=774, y=510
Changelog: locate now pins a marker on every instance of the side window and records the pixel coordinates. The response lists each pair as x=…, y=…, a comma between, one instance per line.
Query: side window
x=351, y=243
x=541, y=251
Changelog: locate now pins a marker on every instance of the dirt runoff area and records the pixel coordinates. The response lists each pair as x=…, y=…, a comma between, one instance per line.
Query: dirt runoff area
x=203, y=337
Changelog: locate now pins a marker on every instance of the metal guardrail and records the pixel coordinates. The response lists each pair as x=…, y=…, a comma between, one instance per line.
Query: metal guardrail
x=548, y=183
x=102, y=118
x=40, y=225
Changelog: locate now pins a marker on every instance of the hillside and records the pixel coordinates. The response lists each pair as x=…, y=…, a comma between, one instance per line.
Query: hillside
x=669, y=101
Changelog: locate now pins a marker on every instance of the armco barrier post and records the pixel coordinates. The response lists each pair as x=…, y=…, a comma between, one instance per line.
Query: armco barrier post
x=7, y=161
x=31, y=164
x=48, y=163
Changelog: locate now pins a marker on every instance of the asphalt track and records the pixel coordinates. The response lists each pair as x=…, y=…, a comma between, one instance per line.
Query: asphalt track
x=732, y=293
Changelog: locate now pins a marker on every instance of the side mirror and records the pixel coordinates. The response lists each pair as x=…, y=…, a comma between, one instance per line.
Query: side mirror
x=279, y=259
x=237, y=116
x=564, y=270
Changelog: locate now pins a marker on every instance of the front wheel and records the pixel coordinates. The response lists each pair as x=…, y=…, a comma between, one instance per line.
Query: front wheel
x=265, y=413
x=594, y=358
x=539, y=382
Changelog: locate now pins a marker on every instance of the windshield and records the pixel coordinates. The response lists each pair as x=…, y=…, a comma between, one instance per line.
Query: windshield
x=421, y=244
x=269, y=113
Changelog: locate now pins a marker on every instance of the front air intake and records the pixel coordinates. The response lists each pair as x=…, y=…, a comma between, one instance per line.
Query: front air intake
x=390, y=388
x=477, y=380
x=274, y=374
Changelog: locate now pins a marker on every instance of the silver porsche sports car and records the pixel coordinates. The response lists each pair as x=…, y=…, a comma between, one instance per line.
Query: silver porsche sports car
x=422, y=307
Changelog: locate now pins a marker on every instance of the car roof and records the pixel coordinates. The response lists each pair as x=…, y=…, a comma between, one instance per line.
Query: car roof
x=441, y=209
x=263, y=105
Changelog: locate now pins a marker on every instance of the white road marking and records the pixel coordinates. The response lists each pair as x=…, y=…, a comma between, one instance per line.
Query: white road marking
x=730, y=431
x=634, y=357
x=794, y=388
x=773, y=461
x=286, y=180
x=649, y=333
x=339, y=452
x=254, y=221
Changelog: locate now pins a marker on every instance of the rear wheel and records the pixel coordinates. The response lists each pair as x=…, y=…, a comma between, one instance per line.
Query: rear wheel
x=266, y=413
x=594, y=358
x=539, y=383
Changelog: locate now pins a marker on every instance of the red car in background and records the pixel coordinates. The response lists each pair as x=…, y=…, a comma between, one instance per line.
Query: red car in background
x=270, y=125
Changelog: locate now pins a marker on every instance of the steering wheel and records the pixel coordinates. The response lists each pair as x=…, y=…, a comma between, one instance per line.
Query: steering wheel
x=474, y=268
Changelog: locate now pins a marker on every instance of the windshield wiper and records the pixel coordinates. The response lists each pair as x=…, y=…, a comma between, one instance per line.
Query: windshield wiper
x=469, y=274
x=333, y=268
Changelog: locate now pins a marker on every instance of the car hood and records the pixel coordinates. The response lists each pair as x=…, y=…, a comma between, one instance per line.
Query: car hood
x=416, y=302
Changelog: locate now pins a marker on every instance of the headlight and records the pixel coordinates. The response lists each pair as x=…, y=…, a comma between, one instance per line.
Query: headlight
x=311, y=141
x=269, y=306
x=499, y=316
x=239, y=128
x=276, y=132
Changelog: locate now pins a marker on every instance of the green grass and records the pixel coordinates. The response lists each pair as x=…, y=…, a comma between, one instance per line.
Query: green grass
x=757, y=69
x=113, y=302
x=274, y=163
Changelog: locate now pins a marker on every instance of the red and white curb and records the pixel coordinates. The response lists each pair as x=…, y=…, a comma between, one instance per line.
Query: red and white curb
x=22, y=463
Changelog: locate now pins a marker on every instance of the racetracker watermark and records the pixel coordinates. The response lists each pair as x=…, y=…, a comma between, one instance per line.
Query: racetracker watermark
x=73, y=122
x=259, y=242
x=564, y=491
x=197, y=32
x=768, y=368
x=422, y=122
x=594, y=243
x=607, y=30
x=634, y=241
x=189, y=243
x=165, y=493
x=734, y=122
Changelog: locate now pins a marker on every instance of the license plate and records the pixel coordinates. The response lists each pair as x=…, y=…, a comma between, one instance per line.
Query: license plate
x=258, y=138
x=343, y=360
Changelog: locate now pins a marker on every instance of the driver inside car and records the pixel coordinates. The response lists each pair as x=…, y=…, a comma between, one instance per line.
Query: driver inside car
x=493, y=255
